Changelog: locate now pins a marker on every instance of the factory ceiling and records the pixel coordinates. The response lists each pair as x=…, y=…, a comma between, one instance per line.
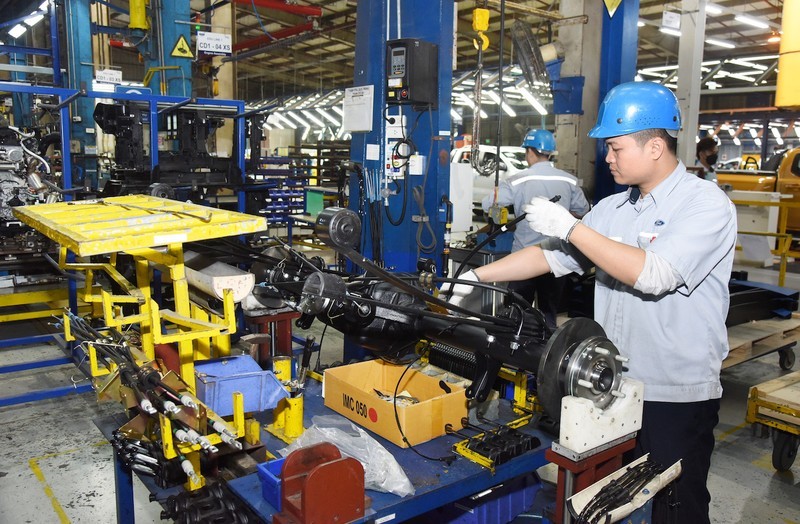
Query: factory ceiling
x=282, y=48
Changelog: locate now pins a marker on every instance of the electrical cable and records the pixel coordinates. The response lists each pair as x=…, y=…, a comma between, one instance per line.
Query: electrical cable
x=419, y=197
x=412, y=148
x=319, y=351
x=447, y=459
x=258, y=17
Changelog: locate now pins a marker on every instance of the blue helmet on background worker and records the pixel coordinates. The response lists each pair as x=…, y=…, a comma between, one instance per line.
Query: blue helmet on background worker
x=635, y=106
x=541, y=140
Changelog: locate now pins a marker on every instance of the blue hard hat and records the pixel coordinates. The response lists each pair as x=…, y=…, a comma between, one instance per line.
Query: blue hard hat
x=541, y=140
x=635, y=106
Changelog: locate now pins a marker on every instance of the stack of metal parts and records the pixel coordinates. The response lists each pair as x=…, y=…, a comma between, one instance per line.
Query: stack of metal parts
x=146, y=458
x=490, y=447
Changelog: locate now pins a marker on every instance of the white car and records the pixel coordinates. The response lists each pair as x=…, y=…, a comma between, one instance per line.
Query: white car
x=512, y=160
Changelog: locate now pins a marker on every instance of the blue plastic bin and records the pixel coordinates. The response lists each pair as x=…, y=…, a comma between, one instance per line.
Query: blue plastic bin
x=218, y=379
x=269, y=473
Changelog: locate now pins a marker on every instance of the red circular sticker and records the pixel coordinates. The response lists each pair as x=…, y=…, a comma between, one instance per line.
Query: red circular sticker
x=373, y=415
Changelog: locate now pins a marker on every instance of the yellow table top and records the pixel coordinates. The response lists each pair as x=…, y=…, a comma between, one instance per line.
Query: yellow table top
x=125, y=223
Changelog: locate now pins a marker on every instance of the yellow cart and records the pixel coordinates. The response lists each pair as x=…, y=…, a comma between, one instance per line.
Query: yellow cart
x=776, y=404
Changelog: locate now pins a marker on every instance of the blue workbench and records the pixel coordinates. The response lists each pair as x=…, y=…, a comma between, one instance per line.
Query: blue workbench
x=436, y=483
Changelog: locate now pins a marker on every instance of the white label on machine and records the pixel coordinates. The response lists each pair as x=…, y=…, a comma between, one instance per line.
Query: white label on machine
x=387, y=518
x=373, y=152
x=358, y=107
x=109, y=76
x=218, y=44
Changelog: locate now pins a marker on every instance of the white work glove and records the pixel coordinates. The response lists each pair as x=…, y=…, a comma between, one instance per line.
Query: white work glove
x=460, y=290
x=549, y=219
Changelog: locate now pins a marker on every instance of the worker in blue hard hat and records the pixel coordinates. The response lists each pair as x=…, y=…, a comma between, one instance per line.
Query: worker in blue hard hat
x=540, y=179
x=663, y=252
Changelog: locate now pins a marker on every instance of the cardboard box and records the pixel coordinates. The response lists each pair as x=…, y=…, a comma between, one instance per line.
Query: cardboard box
x=350, y=391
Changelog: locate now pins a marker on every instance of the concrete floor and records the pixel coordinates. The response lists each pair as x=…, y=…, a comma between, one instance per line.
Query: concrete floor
x=55, y=465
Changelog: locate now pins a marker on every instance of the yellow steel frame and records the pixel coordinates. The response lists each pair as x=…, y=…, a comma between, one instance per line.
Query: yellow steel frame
x=784, y=239
x=754, y=402
x=152, y=230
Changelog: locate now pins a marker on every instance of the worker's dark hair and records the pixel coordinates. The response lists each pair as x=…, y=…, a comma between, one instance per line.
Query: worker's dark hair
x=706, y=143
x=643, y=136
x=537, y=152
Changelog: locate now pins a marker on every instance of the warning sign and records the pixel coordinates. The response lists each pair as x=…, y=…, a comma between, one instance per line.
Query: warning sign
x=611, y=6
x=182, y=49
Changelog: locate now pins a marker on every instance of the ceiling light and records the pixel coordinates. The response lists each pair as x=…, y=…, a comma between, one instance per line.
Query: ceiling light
x=328, y=117
x=775, y=38
x=286, y=120
x=299, y=119
x=506, y=108
x=483, y=114
x=274, y=122
x=311, y=117
x=713, y=9
x=737, y=141
x=17, y=31
x=455, y=115
x=34, y=19
x=721, y=43
x=338, y=109
x=45, y=6
x=753, y=132
x=757, y=141
x=749, y=20
x=797, y=129
x=745, y=63
x=640, y=23
x=532, y=100
x=775, y=132
x=670, y=31
x=305, y=133
x=638, y=78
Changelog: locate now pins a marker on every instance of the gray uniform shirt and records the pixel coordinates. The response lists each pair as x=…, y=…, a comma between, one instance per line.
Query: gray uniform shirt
x=540, y=179
x=676, y=341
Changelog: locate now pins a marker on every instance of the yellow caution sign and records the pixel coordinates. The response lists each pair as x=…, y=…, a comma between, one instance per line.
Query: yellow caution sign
x=182, y=49
x=611, y=6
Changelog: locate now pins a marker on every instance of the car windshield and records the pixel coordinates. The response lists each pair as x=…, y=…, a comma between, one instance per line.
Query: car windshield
x=515, y=158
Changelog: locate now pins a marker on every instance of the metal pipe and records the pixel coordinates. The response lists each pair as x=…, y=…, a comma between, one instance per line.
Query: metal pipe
x=283, y=6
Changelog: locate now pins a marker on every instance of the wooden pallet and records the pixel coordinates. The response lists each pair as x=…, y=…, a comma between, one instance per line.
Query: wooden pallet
x=757, y=338
x=783, y=391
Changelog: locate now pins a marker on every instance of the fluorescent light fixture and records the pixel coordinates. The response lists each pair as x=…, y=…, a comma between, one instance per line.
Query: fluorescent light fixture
x=266, y=126
x=742, y=77
x=737, y=141
x=659, y=69
x=779, y=140
x=745, y=63
x=757, y=141
x=775, y=38
x=749, y=20
x=44, y=6
x=506, y=108
x=311, y=117
x=338, y=110
x=639, y=78
x=797, y=129
x=299, y=120
x=483, y=114
x=753, y=132
x=532, y=101
x=731, y=131
x=455, y=115
x=713, y=9
x=328, y=117
x=274, y=121
x=775, y=132
x=640, y=23
x=669, y=31
x=34, y=19
x=286, y=120
x=340, y=132
x=17, y=31
x=721, y=43
x=305, y=133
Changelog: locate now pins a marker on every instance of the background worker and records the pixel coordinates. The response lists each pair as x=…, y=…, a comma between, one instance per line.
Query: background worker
x=707, y=155
x=542, y=179
x=663, y=252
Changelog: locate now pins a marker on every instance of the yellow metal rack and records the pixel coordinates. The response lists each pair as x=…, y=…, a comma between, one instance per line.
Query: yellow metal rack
x=152, y=230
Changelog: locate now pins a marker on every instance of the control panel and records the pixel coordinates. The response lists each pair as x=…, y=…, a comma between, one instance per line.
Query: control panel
x=412, y=75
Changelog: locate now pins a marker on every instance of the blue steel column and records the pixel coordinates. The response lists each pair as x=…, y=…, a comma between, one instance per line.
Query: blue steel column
x=80, y=75
x=431, y=21
x=178, y=81
x=617, y=65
